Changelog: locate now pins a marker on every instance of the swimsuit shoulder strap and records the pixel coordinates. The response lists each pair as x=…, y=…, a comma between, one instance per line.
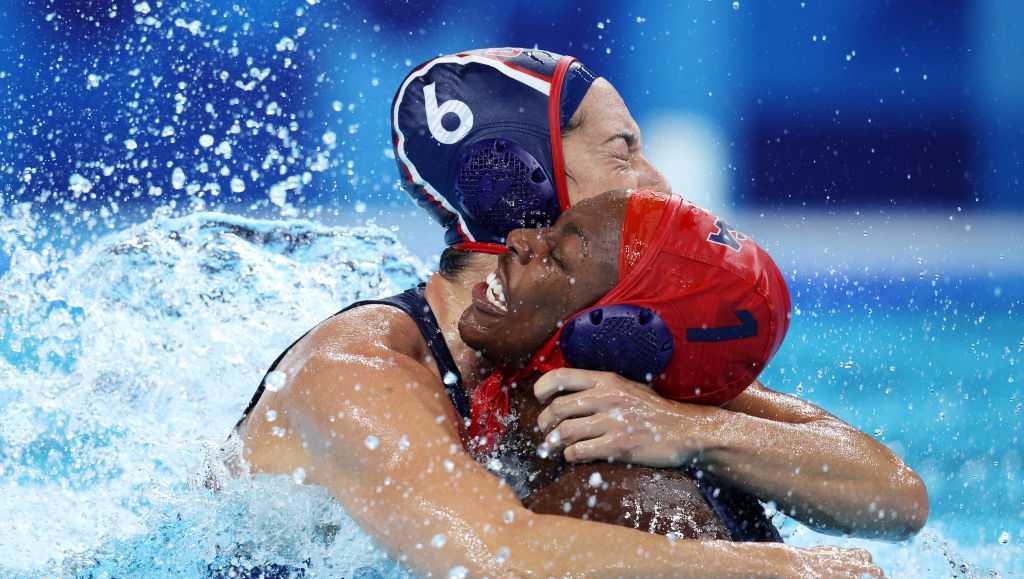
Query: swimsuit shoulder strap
x=413, y=303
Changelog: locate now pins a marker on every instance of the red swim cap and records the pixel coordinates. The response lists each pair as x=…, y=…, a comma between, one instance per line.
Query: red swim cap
x=718, y=292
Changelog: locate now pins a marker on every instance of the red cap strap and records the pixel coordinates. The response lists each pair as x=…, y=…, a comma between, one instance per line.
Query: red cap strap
x=555, y=126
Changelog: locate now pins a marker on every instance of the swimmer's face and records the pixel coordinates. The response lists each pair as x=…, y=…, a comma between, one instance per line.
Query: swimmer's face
x=547, y=275
x=604, y=151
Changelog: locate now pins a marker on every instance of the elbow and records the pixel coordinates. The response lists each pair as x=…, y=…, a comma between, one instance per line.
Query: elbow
x=917, y=506
x=909, y=508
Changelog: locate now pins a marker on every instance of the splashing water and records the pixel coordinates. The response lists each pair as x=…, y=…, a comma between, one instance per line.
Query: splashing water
x=120, y=364
x=123, y=363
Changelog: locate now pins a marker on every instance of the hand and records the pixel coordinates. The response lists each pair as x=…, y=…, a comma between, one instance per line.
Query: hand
x=606, y=416
x=835, y=562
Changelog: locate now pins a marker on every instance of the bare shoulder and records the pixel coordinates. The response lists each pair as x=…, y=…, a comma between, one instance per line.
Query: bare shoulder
x=351, y=376
x=372, y=329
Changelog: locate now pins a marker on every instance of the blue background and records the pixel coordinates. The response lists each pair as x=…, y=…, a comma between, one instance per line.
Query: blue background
x=895, y=105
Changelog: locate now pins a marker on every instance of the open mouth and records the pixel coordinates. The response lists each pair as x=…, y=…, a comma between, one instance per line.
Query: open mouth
x=490, y=295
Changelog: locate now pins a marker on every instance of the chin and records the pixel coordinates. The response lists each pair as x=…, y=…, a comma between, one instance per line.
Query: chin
x=472, y=332
x=486, y=339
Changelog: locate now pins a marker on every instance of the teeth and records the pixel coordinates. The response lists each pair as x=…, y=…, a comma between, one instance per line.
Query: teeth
x=495, y=292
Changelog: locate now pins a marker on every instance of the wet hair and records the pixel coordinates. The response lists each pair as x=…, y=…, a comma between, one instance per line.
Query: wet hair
x=569, y=128
x=573, y=124
x=453, y=262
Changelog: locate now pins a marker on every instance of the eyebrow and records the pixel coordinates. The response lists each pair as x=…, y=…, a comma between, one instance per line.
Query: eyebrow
x=627, y=136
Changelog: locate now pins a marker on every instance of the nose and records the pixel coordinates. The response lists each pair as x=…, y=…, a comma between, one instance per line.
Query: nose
x=651, y=178
x=526, y=244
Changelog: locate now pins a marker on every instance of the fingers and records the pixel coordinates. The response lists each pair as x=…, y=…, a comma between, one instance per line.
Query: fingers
x=588, y=450
x=578, y=429
x=568, y=380
x=568, y=406
x=845, y=562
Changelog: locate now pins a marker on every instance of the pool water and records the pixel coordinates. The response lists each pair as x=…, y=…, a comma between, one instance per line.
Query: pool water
x=125, y=362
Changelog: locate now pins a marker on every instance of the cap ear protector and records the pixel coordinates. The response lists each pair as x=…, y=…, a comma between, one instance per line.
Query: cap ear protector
x=632, y=341
x=503, y=187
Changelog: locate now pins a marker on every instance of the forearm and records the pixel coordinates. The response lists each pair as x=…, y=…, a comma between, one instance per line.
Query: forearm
x=561, y=546
x=821, y=472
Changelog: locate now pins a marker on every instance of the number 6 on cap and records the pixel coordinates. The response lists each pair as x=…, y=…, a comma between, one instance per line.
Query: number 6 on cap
x=436, y=113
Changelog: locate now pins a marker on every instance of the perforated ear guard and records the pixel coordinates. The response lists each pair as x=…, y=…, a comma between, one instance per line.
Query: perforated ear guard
x=500, y=186
x=632, y=341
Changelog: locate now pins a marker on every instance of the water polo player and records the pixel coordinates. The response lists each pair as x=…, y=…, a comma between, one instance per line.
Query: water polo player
x=373, y=406
x=496, y=139
x=643, y=285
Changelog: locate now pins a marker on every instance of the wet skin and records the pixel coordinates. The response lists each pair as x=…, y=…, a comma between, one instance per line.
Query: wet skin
x=547, y=275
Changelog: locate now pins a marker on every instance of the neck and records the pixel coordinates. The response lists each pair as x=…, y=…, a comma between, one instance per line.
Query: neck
x=448, y=298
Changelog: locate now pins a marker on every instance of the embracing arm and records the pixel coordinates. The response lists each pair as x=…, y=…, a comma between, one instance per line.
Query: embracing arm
x=814, y=466
x=390, y=453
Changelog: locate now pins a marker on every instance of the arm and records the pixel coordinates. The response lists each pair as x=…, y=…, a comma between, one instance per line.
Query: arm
x=816, y=467
x=413, y=482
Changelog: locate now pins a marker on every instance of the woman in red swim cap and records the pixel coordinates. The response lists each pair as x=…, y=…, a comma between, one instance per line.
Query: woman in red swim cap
x=644, y=285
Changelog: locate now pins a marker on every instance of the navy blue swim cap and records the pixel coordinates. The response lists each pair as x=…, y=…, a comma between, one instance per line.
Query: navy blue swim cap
x=478, y=140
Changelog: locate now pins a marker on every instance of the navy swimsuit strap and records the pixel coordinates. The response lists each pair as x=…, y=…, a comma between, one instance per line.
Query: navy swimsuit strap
x=414, y=304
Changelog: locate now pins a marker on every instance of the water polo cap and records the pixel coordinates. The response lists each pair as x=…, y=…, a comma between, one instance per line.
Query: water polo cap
x=699, y=311
x=478, y=140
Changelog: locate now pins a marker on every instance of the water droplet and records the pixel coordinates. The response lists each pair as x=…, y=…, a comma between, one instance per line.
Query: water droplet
x=595, y=479
x=1004, y=538
x=403, y=443
x=329, y=138
x=450, y=378
x=438, y=541
x=503, y=555
x=130, y=144
x=509, y=517
x=361, y=208
x=271, y=415
x=275, y=381
x=79, y=184
x=554, y=437
x=177, y=178
x=449, y=466
x=735, y=5
x=372, y=442
x=299, y=475
x=142, y=8
x=206, y=141
x=458, y=571
x=237, y=185
x=285, y=43
x=592, y=501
